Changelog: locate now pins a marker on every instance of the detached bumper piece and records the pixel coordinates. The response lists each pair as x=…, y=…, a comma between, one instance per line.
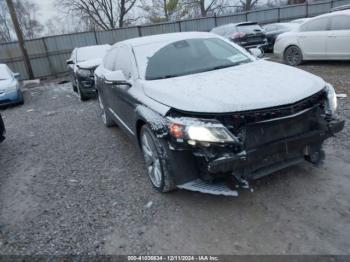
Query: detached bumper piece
x=199, y=185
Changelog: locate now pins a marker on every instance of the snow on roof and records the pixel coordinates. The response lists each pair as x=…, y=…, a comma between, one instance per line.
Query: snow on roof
x=91, y=52
x=165, y=38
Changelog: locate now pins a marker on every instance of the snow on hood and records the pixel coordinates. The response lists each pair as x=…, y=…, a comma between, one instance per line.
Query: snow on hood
x=92, y=63
x=255, y=85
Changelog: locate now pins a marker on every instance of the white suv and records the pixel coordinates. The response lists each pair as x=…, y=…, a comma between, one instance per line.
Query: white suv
x=325, y=37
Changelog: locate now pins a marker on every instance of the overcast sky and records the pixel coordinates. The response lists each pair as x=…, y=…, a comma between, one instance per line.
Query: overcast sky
x=47, y=9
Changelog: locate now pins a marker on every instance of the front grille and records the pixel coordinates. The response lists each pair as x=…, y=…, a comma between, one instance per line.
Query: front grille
x=236, y=120
x=265, y=132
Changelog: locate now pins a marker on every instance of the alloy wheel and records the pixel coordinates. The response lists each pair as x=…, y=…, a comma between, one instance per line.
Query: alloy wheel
x=152, y=160
x=293, y=55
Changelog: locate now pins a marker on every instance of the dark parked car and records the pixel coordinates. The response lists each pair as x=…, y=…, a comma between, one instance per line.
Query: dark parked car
x=81, y=67
x=202, y=121
x=274, y=30
x=246, y=34
x=2, y=129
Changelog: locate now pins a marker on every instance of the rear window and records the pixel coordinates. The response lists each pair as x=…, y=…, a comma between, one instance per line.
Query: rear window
x=250, y=28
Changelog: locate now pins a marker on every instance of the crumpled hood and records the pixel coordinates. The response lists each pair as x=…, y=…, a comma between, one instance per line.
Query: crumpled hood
x=4, y=84
x=255, y=85
x=89, y=64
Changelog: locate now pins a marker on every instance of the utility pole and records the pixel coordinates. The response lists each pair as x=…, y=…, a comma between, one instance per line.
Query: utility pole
x=19, y=34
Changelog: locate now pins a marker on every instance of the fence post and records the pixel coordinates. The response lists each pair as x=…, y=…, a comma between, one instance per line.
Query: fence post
x=332, y=4
x=139, y=30
x=96, y=40
x=215, y=20
x=307, y=8
x=246, y=16
x=48, y=57
x=179, y=23
x=279, y=14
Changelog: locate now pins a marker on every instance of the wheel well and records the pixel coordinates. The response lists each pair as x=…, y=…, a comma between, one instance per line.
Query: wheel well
x=139, y=124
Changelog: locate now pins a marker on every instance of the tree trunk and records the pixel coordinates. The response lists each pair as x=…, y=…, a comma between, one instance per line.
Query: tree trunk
x=202, y=7
x=19, y=34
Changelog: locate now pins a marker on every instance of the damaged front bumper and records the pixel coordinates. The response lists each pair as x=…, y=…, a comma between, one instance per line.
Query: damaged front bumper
x=267, y=147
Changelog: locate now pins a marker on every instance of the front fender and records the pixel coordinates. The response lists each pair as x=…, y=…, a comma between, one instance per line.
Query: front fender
x=157, y=122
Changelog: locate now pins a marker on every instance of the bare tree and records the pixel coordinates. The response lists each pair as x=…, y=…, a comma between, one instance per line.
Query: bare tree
x=164, y=10
x=27, y=17
x=5, y=23
x=247, y=5
x=105, y=14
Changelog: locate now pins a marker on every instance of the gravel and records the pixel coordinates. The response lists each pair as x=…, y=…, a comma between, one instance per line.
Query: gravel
x=68, y=185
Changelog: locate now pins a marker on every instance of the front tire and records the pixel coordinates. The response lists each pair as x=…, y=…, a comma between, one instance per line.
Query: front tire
x=293, y=56
x=158, y=166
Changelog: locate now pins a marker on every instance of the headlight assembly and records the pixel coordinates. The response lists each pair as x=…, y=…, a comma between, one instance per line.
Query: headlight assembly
x=332, y=103
x=199, y=130
x=84, y=72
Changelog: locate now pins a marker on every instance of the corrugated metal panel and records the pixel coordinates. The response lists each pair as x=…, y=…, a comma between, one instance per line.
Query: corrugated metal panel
x=319, y=8
x=223, y=20
x=160, y=29
x=292, y=12
x=341, y=2
x=9, y=50
x=40, y=67
x=202, y=24
x=69, y=42
x=263, y=16
x=58, y=62
x=117, y=35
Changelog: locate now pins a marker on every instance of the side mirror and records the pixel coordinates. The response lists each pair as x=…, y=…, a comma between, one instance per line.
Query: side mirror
x=257, y=52
x=116, y=78
x=69, y=62
x=16, y=75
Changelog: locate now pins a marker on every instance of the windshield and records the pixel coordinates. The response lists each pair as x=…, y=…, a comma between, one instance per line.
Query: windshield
x=4, y=73
x=186, y=57
x=91, y=52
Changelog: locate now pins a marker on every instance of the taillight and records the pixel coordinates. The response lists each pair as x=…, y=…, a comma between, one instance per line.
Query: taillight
x=237, y=35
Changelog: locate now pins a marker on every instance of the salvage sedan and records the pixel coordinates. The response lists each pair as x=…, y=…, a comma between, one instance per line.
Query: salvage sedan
x=209, y=116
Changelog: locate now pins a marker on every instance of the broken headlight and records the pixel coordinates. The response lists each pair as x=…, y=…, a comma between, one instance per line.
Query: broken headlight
x=199, y=130
x=331, y=100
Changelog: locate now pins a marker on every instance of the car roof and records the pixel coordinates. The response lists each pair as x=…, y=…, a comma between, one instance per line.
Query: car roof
x=341, y=7
x=342, y=12
x=164, y=37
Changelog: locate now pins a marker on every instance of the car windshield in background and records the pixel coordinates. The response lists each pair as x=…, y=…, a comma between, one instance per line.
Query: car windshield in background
x=91, y=52
x=249, y=28
x=188, y=57
x=4, y=73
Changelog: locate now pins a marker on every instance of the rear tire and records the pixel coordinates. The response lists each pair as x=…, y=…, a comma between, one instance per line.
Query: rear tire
x=293, y=56
x=105, y=115
x=158, y=166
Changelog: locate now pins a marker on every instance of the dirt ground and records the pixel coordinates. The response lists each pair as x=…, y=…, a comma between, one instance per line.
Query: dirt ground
x=68, y=185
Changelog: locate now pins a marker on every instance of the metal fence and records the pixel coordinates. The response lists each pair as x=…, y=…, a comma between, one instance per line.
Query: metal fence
x=48, y=55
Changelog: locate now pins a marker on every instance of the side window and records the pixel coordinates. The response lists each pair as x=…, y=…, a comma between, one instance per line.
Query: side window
x=123, y=62
x=320, y=24
x=341, y=22
x=110, y=58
